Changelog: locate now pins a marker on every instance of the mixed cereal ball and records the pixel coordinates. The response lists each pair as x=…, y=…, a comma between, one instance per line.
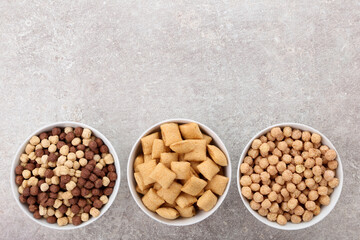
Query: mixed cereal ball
x=288, y=175
x=65, y=175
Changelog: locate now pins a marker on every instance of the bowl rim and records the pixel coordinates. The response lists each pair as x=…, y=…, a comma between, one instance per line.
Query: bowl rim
x=334, y=196
x=130, y=174
x=63, y=124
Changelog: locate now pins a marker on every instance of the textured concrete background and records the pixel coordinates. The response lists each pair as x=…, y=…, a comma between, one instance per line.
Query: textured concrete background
x=236, y=66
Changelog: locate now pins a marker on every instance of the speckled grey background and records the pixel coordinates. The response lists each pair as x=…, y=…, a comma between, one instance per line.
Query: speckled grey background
x=236, y=66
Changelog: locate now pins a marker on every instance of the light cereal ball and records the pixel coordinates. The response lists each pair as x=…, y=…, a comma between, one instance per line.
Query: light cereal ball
x=324, y=200
x=308, y=173
x=276, y=188
x=269, y=137
x=317, y=179
x=272, y=146
x=255, y=178
x=287, y=175
x=332, y=164
x=254, y=205
x=281, y=166
x=267, y=182
x=274, y=208
x=323, y=182
x=279, y=199
x=282, y=146
x=298, y=160
x=289, y=141
x=297, y=145
x=290, y=187
x=305, y=155
x=307, y=216
x=301, y=186
x=287, y=131
x=266, y=204
x=306, y=136
x=309, y=163
x=245, y=181
x=253, y=153
x=271, y=170
x=246, y=191
x=281, y=220
x=248, y=160
x=244, y=168
x=272, y=196
x=264, y=176
x=299, y=210
x=295, y=219
x=292, y=203
x=272, y=217
x=310, y=205
x=284, y=192
x=296, y=178
x=308, y=146
x=277, y=152
x=291, y=168
x=279, y=180
x=302, y=198
x=263, y=163
x=263, y=139
x=313, y=195
x=265, y=189
x=329, y=175
x=256, y=144
x=255, y=187
x=276, y=132
x=315, y=138
x=316, y=170
x=296, y=134
x=263, y=212
x=273, y=160
x=316, y=146
x=333, y=183
x=257, y=160
x=264, y=148
x=258, y=169
x=310, y=182
x=286, y=158
x=258, y=197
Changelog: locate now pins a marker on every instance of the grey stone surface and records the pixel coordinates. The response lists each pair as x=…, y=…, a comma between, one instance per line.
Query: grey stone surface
x=236, y=66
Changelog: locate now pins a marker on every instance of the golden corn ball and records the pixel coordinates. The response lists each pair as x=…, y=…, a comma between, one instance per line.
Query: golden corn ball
x=329, y=175
x=246, y=192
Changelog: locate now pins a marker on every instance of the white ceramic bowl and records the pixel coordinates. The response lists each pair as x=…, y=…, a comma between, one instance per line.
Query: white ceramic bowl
x=200, y=215
x=16, y=161
x=325, y=210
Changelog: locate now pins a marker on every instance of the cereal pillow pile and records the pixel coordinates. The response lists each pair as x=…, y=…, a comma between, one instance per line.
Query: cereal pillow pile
x=179, y=171
x=288, y=175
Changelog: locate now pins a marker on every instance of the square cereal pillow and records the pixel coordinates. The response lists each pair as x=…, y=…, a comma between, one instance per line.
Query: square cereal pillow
x=198, y=153
x=147, y=142
x=170, y=133
x=191, y=131
x=162, y=175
